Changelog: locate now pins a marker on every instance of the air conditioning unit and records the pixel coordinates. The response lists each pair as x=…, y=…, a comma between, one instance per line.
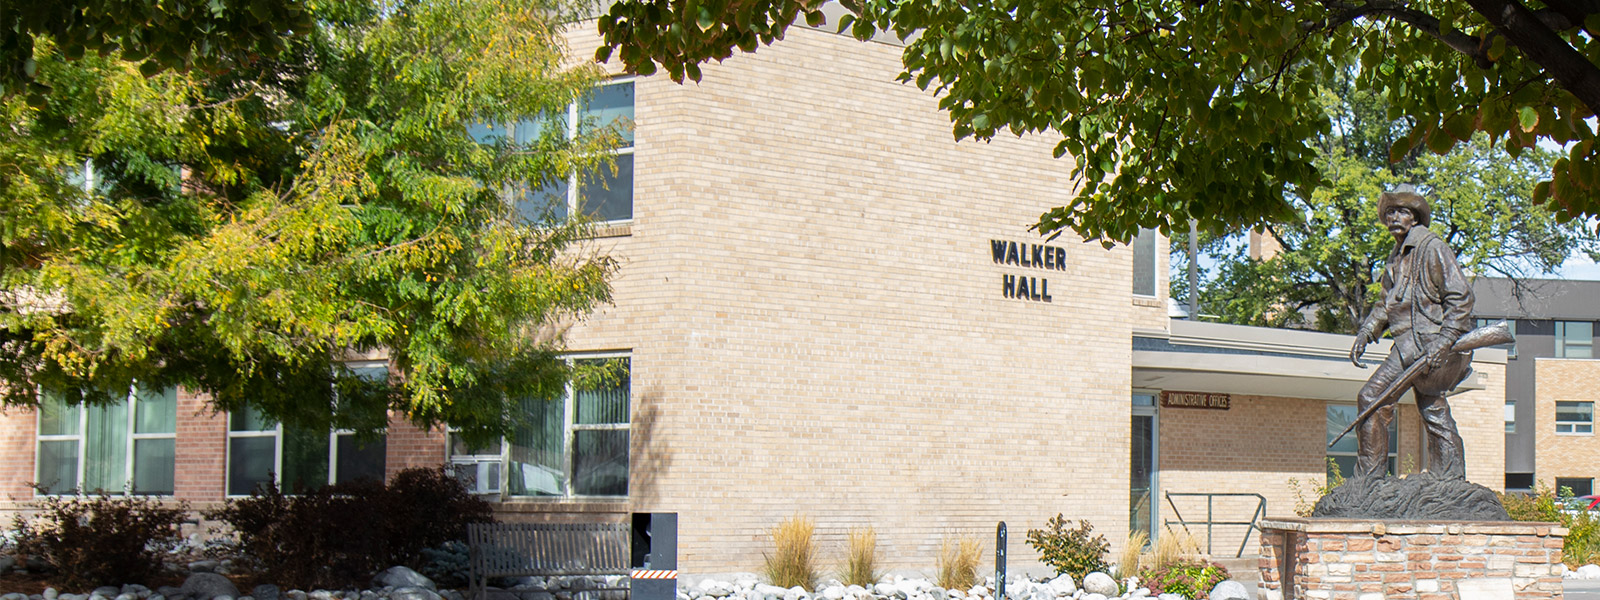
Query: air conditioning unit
x=478, y=476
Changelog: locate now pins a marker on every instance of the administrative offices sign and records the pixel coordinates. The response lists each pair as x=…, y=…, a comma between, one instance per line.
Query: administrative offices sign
x=1195, y=400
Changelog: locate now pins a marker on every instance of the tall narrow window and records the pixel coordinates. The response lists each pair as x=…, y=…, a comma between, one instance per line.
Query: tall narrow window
x=1574, y=339
x=1142, y=467
x=1511, y=416
x=1144, y=263
x=127, y=445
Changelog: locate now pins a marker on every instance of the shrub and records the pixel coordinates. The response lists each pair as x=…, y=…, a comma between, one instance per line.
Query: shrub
x=861, y=558
x=1582, y=545
x=794, y=563
x=1069, y=551
x=447, y=564
x=100, y=540
x=341, y=534
x=1306, y=494
x=1190, y=578
x=958, y=563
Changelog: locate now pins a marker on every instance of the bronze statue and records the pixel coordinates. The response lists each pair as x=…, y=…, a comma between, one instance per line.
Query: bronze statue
x=1426, y=308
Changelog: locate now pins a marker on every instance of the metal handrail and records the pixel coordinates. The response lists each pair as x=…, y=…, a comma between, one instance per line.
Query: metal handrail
x=1210, y=522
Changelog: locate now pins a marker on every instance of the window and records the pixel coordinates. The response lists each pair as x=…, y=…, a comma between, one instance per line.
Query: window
x=1580, y=486
x=126, y=446
x=261, y=451
x=1511, y=416
x=1519, y=481
x=601, y=195
x=1574, y=339
x=574, y=445
x=1511, y=348
x=1144, y=263
x=1343, y=454
x=1574, y=417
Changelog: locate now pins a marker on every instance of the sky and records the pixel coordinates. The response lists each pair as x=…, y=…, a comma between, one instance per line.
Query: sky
x=1579, y=267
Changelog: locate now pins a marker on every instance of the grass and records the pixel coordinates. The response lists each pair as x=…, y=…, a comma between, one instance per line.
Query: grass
x=861, y=558
x=958, y=563
x=1171, y=547
x=1132, y=553
x=794, y=562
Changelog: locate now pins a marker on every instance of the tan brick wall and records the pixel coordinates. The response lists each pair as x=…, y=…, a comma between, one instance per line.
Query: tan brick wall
x=1260, y=445
x=1480, y=417
x=817, y=326
x=1564, y=455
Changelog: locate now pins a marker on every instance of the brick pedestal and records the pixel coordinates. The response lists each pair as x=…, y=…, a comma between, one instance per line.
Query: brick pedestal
x=1342, y=559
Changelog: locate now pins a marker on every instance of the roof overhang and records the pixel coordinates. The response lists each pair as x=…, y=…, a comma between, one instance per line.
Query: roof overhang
x=1258, y=361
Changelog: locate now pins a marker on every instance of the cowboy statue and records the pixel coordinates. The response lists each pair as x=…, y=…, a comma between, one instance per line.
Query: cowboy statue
x=1427, y=309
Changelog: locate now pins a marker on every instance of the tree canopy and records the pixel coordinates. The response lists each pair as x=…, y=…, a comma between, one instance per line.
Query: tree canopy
x=159, y=35
x=245, y=231
x=1179, y=109
x=1324, y=274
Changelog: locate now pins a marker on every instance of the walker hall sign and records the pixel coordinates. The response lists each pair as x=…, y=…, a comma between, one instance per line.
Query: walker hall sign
x=1023, y=254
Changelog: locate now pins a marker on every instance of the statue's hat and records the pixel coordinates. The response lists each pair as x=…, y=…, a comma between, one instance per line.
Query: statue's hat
x=1405, y=196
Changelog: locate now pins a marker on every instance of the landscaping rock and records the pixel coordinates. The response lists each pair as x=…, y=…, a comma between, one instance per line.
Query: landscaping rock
x=127, y=596
x=7, y=563
x=1229, y=590
x=715, y=589
x=14, y=596
x=1093, y=596
x=320, y=595
x=169, y=591
x=400, y=577
x=1100, y=583
x=208, y=586
x=1171, y=597
x=136, y=589
x=1063, y=585
x=295, y=595
x=1588, y=572
x=833, y=592
x=108, y=591
x=266, y=591
x=204, y=566
x=412, y=592
x=50, y=593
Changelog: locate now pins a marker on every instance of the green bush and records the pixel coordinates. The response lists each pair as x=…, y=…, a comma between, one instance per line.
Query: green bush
x=100, y=540
x=1189, y=578
x=1582, y=545
x=1070, y=551
x=340, y=535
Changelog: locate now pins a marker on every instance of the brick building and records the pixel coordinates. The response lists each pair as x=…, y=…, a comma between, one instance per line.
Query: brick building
x=1550, y=392
x=829, y=307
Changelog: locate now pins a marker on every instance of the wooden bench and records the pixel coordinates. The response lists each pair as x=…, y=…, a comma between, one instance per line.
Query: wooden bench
x=544, y=550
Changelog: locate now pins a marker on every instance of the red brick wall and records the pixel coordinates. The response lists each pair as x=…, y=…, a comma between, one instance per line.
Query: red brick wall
x=17, y=427
x=202, y=450
x=410, y=447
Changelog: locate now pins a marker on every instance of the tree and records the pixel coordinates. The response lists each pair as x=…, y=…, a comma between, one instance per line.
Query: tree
x=1325, y=276
x=159, y=35
x=244, y=232
x=1179, y=109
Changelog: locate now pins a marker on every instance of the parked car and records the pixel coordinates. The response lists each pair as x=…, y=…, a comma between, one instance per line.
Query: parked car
x=1581, y=503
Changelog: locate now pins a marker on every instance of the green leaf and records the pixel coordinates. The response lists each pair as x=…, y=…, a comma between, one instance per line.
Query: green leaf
x=1528, y=118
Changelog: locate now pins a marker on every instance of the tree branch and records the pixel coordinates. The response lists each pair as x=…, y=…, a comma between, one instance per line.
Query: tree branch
x=1544, y=47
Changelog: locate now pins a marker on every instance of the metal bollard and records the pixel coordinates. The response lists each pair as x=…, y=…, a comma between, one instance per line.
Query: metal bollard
x=1000, y=562
x=655, y=557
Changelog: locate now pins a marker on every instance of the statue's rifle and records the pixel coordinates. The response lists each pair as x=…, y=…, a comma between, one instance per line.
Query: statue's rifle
x=1488, y=335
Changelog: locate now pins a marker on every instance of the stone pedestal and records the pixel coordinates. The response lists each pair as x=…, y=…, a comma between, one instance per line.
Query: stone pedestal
x=1343, y=559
